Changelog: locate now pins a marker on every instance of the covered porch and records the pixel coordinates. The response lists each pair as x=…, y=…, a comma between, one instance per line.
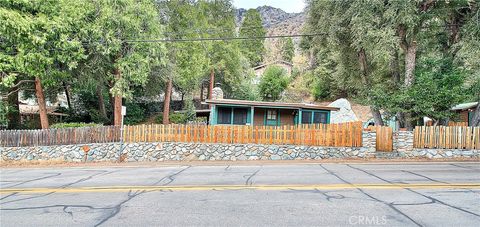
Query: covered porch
x=227, y=112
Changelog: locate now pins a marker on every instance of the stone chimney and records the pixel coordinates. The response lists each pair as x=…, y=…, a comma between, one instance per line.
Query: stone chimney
x=217, y=92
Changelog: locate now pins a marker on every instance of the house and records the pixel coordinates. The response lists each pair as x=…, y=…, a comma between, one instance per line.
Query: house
x=465, y=111
x=243, y=112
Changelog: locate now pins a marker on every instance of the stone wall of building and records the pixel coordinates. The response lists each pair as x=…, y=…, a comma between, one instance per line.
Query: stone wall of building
x=133, y=152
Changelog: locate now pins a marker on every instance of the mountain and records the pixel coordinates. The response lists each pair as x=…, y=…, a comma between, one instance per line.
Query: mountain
x=271, y=16
x=276, y=22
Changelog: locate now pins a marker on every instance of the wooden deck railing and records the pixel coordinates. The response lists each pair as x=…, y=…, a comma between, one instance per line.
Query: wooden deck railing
x=338, y=135
x=447, y=137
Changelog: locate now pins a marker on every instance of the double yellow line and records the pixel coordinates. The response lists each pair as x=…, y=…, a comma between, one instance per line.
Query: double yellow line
x=237, y=187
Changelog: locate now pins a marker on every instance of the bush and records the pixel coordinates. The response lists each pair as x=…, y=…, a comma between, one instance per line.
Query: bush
x=274, y=81
x=178, y=118
x=74, y=125
x=135, y=114
x=175, y=118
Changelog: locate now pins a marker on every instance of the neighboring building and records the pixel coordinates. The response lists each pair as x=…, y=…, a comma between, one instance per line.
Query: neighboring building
x=465, y=111
x=259, y=70
x=242, y=112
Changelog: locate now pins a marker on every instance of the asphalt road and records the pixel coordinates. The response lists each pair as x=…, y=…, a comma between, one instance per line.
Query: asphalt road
x=399, y=194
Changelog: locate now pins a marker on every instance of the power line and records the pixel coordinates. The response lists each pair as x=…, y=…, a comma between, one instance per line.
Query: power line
x=223, y=38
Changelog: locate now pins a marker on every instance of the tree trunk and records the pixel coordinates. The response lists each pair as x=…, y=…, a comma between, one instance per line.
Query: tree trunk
x=410, y=60
x=395, y=68
x=117, y=99
x=101, y=102
x=13, y=116
x=364, y=72
x=166, y=101
x=67, y=94
x=42, y=107
x=476, y=116
x=212, y=83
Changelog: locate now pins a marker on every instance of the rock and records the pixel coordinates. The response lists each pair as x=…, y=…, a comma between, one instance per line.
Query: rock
x=275, y=157
x=345, y=114
x=201, y=157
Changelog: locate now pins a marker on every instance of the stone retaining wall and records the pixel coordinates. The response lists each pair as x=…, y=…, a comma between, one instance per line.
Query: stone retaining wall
x=179, y=152
x=403, y=148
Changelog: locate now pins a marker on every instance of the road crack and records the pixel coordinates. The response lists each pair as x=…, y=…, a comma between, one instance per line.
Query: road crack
x=372, y=197
x=418, y=193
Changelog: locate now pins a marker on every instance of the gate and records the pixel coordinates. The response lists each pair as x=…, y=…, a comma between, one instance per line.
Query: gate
x=384, y=141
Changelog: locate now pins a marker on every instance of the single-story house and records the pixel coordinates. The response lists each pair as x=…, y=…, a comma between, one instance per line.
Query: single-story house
x=465, y=111
x=243, y=112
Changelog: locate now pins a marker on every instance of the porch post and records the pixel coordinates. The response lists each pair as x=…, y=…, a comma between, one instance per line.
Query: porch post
x=252, y=113
x=300, y=116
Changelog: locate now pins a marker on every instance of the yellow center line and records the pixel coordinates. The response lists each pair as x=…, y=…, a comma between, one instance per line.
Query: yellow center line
x=238, y=187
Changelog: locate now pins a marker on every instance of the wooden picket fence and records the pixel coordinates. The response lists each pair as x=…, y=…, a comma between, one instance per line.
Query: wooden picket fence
x=338, y=135
x=447, y=137
x=61, y=136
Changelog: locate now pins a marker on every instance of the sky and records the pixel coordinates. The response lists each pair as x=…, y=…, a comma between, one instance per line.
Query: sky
x=289, y=6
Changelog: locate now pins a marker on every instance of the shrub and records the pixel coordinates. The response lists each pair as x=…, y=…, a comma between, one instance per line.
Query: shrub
x=175, y=118
x=274, y=81
x=135, y=114
x=74, y=125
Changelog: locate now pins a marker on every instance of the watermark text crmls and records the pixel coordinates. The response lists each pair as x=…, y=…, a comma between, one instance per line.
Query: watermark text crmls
x=367, y=220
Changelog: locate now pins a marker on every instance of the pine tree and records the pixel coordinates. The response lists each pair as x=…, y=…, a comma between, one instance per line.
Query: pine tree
x=253, y=49
x=288, y=49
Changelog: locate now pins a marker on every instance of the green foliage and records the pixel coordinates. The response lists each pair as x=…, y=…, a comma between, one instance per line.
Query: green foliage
x=252, y=27
x=135, y=114
x=288, y=49
x=178, y=118
x=437, y=88
x=41, y=38
x=3, y=114
x=274, y=81
x=74, y=125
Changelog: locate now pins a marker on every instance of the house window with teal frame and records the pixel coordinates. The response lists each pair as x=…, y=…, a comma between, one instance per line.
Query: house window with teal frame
x=320, y=118
x=315, y=117
x=232, y=115
x=224, y=115
x=306, y=117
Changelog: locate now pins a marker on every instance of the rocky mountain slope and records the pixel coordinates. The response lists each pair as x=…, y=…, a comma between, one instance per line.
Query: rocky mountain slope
x=270, y=15
x=277, y=22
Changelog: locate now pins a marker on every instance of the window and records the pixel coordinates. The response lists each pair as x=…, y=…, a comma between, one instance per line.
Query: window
x=306, y=117
x=224, y=115
x=239, y=116
x=271, y=114
x=320, y=118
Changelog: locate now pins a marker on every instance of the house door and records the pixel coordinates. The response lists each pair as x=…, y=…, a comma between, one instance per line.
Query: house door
x=272, y=118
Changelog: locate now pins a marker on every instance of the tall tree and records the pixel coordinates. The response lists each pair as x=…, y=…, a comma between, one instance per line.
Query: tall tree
x=39, y=41
x=251, y=26
x=288, y=49
x=126, y=63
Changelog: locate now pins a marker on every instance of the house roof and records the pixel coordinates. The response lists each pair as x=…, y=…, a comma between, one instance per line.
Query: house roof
x=465, y=106
x=274, y=62
x=268, y=104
